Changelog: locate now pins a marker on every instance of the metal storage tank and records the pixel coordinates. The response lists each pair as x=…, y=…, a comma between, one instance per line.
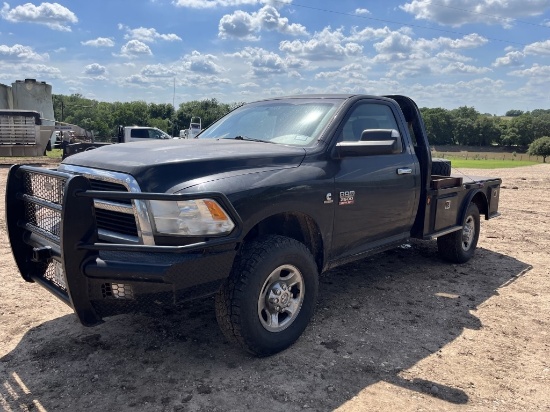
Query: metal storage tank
x=6, y=97
x=29, y=94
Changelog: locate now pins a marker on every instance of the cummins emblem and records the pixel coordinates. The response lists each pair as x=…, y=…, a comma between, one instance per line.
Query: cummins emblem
x=328, y=198
x=447, y=205
x=347, y=198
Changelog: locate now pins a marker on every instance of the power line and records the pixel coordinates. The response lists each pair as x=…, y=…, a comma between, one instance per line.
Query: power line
x=397, y=22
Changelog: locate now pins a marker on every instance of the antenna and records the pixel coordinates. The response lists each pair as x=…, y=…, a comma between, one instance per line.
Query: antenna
x=174, y=107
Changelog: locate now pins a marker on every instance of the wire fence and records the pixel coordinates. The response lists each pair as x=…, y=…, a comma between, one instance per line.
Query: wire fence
x=488, y=156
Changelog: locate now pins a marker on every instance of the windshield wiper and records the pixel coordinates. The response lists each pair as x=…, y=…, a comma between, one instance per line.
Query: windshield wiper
x=248, y=139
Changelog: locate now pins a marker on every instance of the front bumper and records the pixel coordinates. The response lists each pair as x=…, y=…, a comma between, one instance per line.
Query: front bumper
x=53, y=233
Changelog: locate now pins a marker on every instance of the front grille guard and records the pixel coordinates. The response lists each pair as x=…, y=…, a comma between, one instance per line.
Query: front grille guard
x=52, y=229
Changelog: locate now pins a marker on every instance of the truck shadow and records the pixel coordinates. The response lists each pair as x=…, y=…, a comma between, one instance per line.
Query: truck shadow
x=375, y=319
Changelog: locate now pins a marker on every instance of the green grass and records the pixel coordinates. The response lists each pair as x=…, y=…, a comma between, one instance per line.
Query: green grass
x=55, y=153
x=458, y=162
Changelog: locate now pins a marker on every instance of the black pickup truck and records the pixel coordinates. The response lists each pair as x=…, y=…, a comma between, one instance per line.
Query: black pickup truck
x=252, y=211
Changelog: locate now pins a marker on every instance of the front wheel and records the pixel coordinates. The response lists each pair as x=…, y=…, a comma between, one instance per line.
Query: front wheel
x=270, y=295
x=460, y=246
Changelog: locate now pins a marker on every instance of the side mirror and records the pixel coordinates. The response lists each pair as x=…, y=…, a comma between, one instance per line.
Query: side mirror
x=373, y=142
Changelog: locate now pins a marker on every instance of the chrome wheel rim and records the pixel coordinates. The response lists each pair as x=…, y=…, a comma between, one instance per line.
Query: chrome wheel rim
x=281, y=298
x=468, y=233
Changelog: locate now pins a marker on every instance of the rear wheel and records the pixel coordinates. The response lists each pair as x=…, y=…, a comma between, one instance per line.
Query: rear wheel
x=269, y=298
x=460, y=246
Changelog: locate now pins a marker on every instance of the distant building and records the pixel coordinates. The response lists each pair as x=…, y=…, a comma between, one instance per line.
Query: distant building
x=29, y=94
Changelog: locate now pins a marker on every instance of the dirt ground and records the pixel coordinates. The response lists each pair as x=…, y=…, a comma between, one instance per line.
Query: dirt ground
x=402, y=331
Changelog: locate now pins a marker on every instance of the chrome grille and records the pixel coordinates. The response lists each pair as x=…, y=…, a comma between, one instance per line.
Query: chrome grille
x=115, y=216
x=116, y=222
x=119, y=220
x=110, y=186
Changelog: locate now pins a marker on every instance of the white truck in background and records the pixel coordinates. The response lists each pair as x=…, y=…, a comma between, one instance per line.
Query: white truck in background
x=139, y=134
x=195, y=127
x=125, y=134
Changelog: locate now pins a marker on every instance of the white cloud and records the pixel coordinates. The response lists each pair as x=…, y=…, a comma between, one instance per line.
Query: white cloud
x=246, y=26
x=353, y=70
x=469, y=41
x=99, y=42
x=211, y=4
x=147, y=35
x=452, y=56
x=40, y=68
x=368, y=33
x=535, y=71
x=20, y=52
x=397, y=44
x=460, y=67
x=264, y=63
x=541, y=48
x=238, y=25
x=202, y=63
x=158, y=70
x=137, y=79
x=95, y=70
x=135, y=48
x=513, y=58
x=323, y=45
x=53, y=15
x=459, y=12
x=362, y=12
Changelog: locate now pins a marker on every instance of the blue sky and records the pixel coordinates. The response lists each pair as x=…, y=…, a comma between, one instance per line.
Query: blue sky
x=493, y=55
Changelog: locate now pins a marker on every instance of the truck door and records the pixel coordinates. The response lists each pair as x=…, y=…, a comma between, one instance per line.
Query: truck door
x=376, y=195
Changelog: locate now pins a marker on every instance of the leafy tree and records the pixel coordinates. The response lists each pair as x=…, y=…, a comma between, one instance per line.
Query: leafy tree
x=540, y=147
x=439, y=126
x=514, y=113
x=523, y=126
x=487, y=131
x=161, y=111
x=541, y=125
x=540, y=112
x=208, y=110
x=465, y=112
x=464, y=131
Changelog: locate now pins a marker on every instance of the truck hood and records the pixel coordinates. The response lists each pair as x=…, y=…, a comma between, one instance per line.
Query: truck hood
x=160, y=165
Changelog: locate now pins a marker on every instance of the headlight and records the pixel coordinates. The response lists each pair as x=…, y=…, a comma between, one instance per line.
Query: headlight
x=198, y=217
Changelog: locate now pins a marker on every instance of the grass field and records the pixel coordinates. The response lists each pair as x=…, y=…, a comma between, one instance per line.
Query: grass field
x=55, y=153
x=489, y=163
x=488, y=160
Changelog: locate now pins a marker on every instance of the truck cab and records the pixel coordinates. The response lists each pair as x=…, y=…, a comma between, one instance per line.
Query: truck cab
x=140, y=133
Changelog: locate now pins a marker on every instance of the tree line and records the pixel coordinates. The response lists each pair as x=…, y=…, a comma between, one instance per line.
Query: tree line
x=466, y=126
x=103, y=118
x=462, y=126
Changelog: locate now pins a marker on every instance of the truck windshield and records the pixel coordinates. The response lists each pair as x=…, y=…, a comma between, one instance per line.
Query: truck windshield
x=297, y=122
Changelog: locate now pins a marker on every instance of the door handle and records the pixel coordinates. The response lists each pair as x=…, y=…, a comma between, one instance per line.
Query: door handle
x=404, y=171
